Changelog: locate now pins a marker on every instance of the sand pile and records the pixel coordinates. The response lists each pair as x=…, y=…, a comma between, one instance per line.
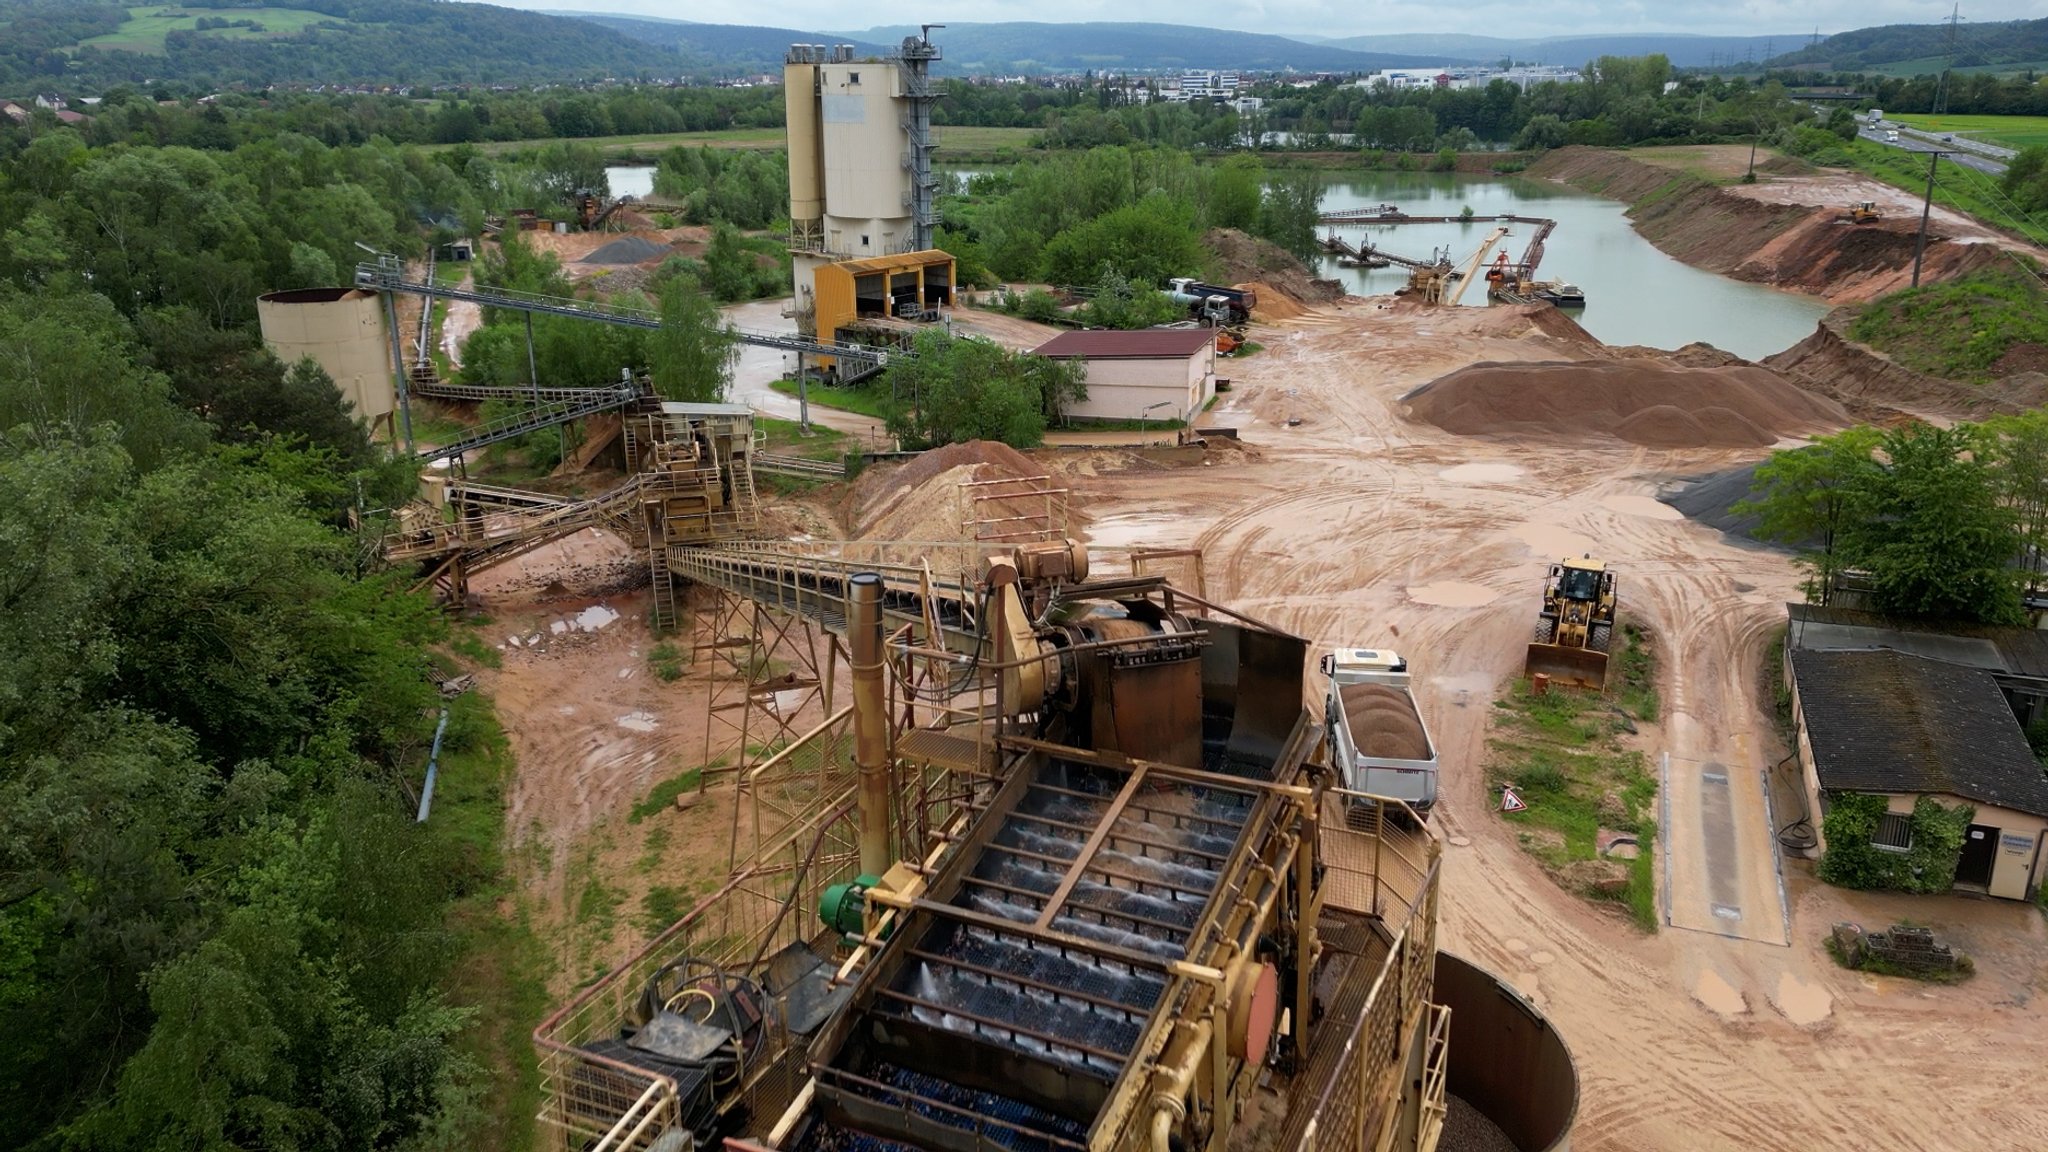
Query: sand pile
x=1646, y=402
x=926, y=499
x=1383, y=722
x=1272, y=304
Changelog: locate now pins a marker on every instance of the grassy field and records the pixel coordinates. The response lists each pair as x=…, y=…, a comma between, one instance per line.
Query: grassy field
x=1564, y=753
x=148, y=25
x=2011, y=131
x=858, y=400
x=958, y=139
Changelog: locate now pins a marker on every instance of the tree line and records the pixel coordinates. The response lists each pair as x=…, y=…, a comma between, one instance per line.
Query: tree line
x=1945, y=524
x=1136, y=214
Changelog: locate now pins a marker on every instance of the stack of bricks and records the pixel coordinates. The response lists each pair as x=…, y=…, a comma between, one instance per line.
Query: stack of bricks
x=1901, y=945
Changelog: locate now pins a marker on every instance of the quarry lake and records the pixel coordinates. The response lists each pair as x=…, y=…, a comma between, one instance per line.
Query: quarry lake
x=1634, y=293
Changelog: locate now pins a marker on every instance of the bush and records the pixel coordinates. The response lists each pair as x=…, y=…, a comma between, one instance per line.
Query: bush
x=1852, y=861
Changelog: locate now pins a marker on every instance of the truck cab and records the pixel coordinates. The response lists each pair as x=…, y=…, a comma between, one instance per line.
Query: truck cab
x=1377, y=738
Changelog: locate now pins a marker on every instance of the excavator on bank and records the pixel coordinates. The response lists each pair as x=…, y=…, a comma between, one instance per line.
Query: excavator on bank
x=1864, y=212
x=1576, y=626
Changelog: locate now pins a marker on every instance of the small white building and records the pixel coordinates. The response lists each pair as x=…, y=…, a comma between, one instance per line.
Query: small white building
x=1153, y=374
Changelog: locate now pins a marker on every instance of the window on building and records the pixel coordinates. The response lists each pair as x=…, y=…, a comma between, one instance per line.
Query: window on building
x=863, y=239
x=1894, y=831
x=853, y=77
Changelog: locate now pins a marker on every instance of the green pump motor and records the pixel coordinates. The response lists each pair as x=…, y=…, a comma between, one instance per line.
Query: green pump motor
x=843, y=907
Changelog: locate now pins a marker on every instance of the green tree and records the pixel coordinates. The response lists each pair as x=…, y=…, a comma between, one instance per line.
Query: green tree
x=1932, y=533
x=2026, y=178
x=729, y=268
x=691, y=357
x=1292, y=206
x=1806, y=497
x=1235, y=191
x=1120, y=304
x=1147, y=242
x=2015, y=448
x=1543, y=132
x=957, y=388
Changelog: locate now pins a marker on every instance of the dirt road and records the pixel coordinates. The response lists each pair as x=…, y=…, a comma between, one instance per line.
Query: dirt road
x=1358, y=527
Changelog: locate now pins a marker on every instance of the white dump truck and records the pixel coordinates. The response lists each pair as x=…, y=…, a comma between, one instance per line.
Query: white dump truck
x=1377, y=737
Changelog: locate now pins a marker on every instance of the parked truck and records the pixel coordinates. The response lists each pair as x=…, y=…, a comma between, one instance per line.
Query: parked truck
x=1213, y=304
x=1377, y=737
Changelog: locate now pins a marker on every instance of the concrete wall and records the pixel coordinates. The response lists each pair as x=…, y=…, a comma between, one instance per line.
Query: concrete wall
x=1124, y=389
x=343, y=330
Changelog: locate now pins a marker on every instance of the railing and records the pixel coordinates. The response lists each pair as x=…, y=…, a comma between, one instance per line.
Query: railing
x=765, y=906
x=1356, y=1108
x=802, y=466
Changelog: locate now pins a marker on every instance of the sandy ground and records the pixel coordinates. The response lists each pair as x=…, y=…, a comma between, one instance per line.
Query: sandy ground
x=1713, y=1033
x=1354, y=526
x=757, y=368
x=1897, y=207
x=1013, y=332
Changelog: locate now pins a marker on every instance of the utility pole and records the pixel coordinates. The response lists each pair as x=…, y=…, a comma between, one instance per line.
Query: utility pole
x=1926, y=208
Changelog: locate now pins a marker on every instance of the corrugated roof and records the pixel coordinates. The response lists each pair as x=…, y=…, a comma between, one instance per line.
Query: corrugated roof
x=1145, y=344
x=898, y=262
x=1886, y=721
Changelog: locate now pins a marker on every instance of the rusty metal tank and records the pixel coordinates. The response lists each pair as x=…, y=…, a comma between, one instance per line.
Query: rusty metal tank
x=1505, y=1058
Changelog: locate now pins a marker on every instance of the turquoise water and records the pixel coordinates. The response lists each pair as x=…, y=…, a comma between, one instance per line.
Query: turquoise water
x=1634, y=293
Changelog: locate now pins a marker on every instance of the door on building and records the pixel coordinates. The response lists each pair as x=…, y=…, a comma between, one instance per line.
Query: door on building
x=1980, y=851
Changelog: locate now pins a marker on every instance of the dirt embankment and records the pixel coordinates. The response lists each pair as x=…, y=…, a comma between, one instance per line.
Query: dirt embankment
x=1269, y=270
x=1874, y=386
x=1803, y=248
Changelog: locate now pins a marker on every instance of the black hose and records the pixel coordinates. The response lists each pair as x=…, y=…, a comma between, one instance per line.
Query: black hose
x=1787, y=836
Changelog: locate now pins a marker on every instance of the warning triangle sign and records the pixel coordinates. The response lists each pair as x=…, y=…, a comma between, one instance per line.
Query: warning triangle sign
x=1509, y=801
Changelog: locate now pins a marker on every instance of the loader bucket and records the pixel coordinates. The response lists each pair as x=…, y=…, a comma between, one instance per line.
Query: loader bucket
x=1584, y=667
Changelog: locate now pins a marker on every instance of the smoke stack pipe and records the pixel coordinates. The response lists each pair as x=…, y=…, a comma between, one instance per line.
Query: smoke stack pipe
x=870, y=720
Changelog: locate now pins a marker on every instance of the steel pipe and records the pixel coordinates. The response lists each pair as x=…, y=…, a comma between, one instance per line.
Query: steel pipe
x=870, y=719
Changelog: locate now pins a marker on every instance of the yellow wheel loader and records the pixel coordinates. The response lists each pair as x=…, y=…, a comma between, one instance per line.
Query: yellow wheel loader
x=1576, y=627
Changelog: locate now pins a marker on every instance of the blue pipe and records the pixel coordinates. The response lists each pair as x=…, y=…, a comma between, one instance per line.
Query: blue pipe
x=433, y=763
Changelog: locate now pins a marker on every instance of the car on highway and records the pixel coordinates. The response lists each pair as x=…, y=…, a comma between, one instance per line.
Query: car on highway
x=1891, y=137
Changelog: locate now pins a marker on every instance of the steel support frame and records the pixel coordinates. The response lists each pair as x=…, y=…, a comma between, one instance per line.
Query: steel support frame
x=741, y=638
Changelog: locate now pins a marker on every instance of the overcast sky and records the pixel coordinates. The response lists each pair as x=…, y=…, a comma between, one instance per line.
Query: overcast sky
x=1529, y=18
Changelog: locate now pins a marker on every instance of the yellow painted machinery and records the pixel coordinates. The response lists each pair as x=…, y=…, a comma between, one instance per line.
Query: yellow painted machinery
x=1576, y=627
x=1863, y=213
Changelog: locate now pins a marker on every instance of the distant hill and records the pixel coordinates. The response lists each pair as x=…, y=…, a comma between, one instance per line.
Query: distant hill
x=1010, y=48
x=1573, y=51
x=310, y=41
x=722, y=49
x=1978, y=45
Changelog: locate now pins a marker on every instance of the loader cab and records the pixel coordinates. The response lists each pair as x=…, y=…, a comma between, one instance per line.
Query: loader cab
x=1580, y=579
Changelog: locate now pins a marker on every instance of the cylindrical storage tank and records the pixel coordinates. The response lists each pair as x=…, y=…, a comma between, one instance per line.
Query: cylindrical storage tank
x=342, y=329
x=1506, y=1062
x=806, y=145
x=866, y=146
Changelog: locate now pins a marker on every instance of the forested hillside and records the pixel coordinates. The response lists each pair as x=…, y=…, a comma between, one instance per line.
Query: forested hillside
x=2014, y=42
x=328, y=42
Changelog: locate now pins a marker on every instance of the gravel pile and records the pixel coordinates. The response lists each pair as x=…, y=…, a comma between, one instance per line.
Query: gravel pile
x=628, y=250
x=1465, y=1130
x=1711, y=500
